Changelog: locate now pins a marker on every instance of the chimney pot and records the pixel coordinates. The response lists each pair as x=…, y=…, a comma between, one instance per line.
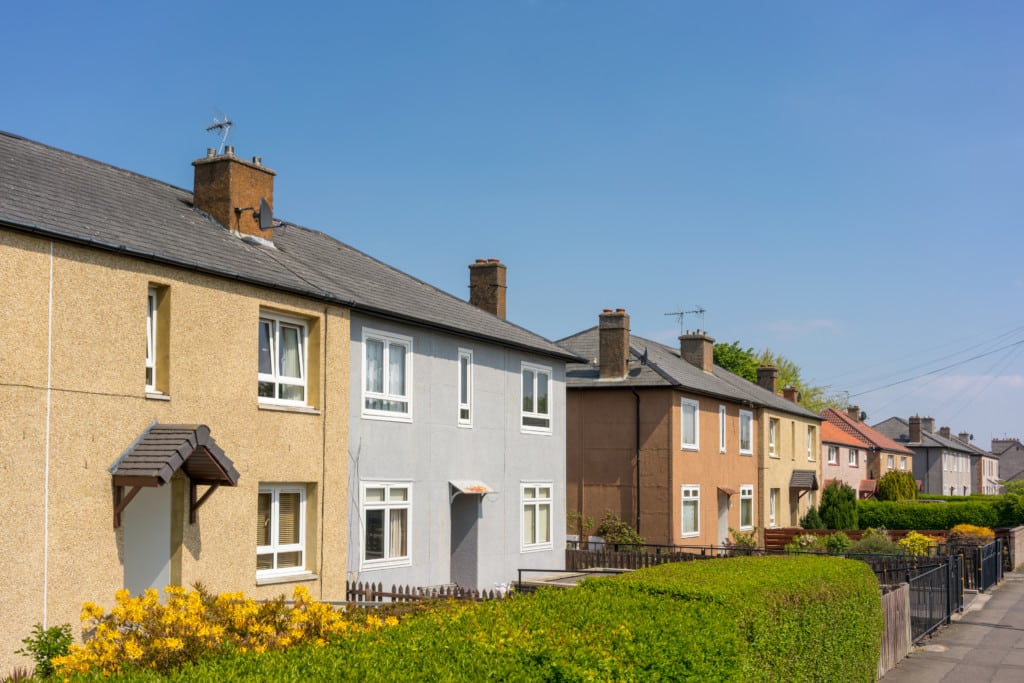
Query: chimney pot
x=613, y=342
x=487, y=286
x=257, y=161
x=211, y=152
x=698, y=349
x=229, y=150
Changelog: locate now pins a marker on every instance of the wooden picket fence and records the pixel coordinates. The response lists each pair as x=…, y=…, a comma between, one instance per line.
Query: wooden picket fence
x=374, y=593
x=897, y=638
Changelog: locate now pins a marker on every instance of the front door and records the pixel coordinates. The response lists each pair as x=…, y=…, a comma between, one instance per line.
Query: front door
x=723, y=518
x=464, y=542
x=147, y=540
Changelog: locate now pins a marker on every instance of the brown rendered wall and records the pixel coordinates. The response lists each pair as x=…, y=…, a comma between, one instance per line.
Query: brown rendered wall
x=98, y=406
x=710, y=469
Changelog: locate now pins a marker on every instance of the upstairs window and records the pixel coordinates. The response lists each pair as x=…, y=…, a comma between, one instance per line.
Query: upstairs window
x=810, y=442
x=889, y=461
x=282, y=360
x=690, y=423
x=746, y=432
x=903, y=462
x=721, y=429
x=833, y=455
x=465, y=388
x=536, y=416
x=151, y=340
x=853, y=457
x=387, y=368
x=773, y=436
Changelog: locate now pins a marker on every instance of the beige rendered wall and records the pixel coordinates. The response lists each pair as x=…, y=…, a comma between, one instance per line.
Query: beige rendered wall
x=710, y=469
x=776, y=470
x=56, y=445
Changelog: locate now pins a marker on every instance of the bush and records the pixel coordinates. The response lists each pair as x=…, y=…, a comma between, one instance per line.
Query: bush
x=1010, y=505
x=874, y=542
x=917, y=515
x=917, y=544
x=812, y=520
x=805, y=543
x=969, y=535
x=616, y=532
x=44, y=645
x=838, y=506
x=743, y=541
x=837, y=543
x=896, y=485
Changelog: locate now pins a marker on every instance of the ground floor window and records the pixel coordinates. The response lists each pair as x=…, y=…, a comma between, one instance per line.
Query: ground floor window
x=386, y=517
x=280, y=530
x=691, y=510
x=747, y=506
x=536, y=521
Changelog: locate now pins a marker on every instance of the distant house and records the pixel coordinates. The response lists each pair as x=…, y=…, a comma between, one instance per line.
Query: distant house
x=941, y=464
x=984, y=465
x=882, y=453
x=845, y=459
x=1010, y=453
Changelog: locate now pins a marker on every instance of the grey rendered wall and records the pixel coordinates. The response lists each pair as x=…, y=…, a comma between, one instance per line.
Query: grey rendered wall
x=433, y=450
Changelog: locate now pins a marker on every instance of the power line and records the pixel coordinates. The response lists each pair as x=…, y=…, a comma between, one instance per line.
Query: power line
x=938, y=370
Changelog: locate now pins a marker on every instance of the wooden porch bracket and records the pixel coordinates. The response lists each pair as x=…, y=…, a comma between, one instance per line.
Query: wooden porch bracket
x=195, y=503
x=121, y=501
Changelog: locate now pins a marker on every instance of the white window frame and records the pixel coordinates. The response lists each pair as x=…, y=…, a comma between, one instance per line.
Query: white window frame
x=903, y=463
x=685, y=403
x=689, y=494
x=536, y=502
x=747, y=502
x=810, y=442
x=773, y=436
x=747, y=425
x=721, y=428
x=151, y=339
x=833, y=455
x=388, y=340
x=535, y=413
x=853, y=458
x=387, y=505
x=890, y=461
x=465, y=403
x=275, y=548
x=773, y=504
x=277, y=323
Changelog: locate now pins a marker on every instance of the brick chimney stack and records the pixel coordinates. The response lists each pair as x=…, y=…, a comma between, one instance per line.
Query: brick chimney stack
x=944, y=432
x=224, y=184
x=698, y=349
x=791, y=394
x=928, y=424
x=768, y=377
x=613, y=341
x=915, y=429
x=487, y=286
x=853, y=412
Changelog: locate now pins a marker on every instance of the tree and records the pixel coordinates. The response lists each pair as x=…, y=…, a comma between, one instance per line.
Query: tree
x=896, y=485
x=838, y=509
x=745, y=361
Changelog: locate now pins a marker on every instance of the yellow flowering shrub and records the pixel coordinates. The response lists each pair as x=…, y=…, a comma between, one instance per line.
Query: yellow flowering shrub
x=917, y=544
x=145, y=632
x=968, y=534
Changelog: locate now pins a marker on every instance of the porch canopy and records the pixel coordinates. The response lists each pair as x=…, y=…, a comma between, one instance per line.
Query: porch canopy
x=804, y=479
x=468, y=486
x=162, y=450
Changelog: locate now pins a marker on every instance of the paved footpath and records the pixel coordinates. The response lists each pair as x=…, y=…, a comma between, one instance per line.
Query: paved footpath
x=985, y=644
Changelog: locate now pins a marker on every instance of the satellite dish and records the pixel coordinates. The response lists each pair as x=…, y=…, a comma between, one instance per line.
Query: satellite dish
x=265, y=216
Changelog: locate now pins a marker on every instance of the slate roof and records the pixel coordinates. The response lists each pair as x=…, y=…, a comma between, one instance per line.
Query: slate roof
x=61, y=195
x=665, y=368
x=898, y=429
x=862, y=431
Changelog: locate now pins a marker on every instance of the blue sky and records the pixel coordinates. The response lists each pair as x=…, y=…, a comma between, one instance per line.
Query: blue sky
x=839, y=182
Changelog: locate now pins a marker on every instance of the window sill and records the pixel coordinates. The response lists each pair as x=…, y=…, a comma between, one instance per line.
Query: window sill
x=385, y=564
x=387, y=417
x=773, y=455
x=307, y=410
x=539, y=432
x=157, y=396
x=691, y=535
x=746, y=452
x=285, y=578
x=536, y=548
x=688, y=447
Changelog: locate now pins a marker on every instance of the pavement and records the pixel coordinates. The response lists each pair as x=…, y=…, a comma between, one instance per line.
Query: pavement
x=984, y=643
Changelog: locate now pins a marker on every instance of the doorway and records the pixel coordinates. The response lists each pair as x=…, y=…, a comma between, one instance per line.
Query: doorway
x=465, y=542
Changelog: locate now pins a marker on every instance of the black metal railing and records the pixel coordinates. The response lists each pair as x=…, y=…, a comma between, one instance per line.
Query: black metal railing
x=935, y=595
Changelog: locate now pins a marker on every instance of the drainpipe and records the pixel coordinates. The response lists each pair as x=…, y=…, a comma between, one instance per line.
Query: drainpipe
x=637, y=489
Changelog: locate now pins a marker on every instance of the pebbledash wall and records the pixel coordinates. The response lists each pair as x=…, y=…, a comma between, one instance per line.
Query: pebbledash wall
x=73, y=399
x=464, y=538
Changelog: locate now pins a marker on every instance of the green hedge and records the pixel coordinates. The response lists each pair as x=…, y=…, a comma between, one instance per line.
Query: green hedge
x=873, y=514
x=738, y=619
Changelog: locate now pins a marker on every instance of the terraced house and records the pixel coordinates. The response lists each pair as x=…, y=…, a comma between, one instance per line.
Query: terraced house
x=194, y=391
x=676, y=446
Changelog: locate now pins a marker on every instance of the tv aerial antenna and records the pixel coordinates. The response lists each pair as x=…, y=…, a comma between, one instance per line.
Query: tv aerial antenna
x=220, y=126
x=699, y=310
